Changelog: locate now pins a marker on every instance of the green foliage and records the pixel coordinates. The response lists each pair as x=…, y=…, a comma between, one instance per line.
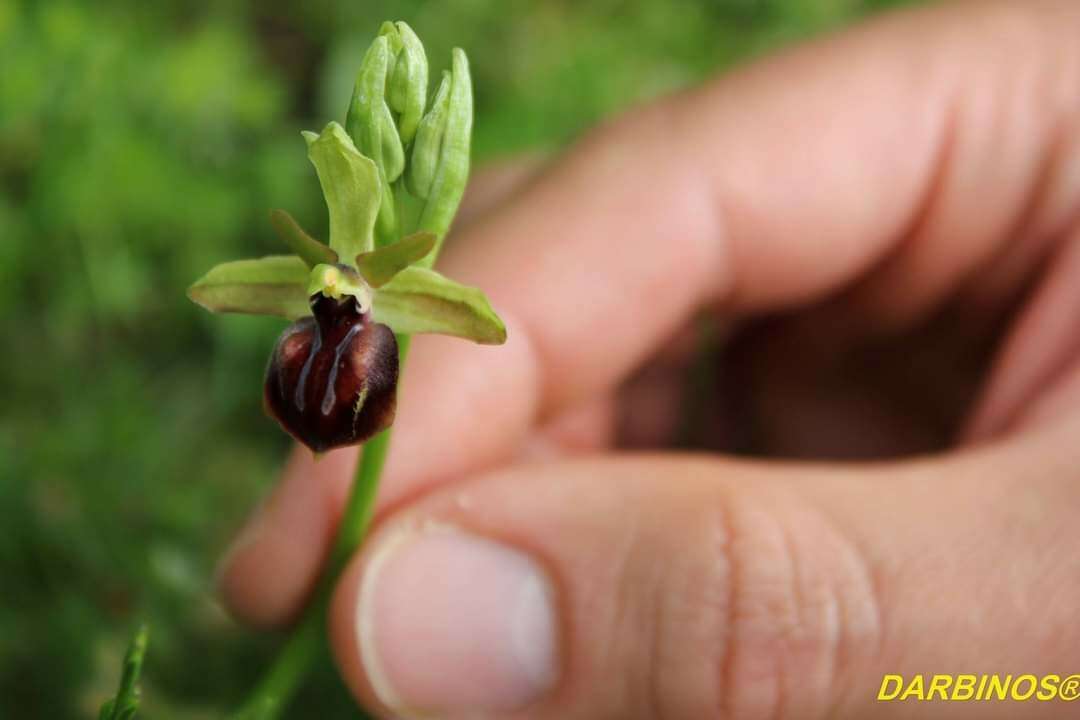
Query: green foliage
x=126, y=703
x=140, y=143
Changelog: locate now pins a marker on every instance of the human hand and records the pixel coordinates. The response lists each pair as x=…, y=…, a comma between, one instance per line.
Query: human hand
x=906, y=196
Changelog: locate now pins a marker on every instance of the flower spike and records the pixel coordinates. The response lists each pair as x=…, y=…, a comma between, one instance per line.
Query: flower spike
x=332, y=376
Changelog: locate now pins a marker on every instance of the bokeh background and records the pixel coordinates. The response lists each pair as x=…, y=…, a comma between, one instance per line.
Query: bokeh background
x=140, y=143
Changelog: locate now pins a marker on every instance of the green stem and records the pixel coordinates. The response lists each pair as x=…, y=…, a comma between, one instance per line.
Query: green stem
x=281, y=681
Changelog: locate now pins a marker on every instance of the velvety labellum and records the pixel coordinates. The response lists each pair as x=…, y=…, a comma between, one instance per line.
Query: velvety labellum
x=332, y=378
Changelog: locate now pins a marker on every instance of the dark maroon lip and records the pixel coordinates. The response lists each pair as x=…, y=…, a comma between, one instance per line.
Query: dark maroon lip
x=332, y=377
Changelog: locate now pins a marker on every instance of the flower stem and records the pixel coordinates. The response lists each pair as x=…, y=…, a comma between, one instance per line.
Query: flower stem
x=361, y=505
x=280, y=682
x=307, y=643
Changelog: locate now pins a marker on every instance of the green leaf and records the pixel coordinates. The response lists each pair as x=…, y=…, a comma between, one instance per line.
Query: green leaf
x=419, y=300
x=380, y=266
x=273, y=285
x=310, y=250
x=126, y=702
x=351, y=186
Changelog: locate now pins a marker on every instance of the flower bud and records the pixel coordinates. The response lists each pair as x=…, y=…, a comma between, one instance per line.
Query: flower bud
x=370, y=123
x=426, y=151
x=332, y=378
x=452, y=170
x=369, y=120
x=407, y=84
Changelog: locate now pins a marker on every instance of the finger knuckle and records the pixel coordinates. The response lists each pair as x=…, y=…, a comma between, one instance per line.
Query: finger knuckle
x=763, y=614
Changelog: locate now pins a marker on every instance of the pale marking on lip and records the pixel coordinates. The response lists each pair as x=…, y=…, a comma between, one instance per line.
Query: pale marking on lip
x=359, y=405
x=316, y=345
x=330, y=398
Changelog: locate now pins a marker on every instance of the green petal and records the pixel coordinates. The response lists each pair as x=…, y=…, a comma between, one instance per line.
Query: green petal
x=419, y=300
x=380, y=266
x=350, y=183
x=273, y=285
x=310, y=250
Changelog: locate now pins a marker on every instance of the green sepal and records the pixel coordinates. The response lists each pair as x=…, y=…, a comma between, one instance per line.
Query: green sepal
x=408, y=81
x=425, y=151
x=452, y=173
x=378, y=267
x=351, y=186
x=419, y=300
x=126, y=702
x=272, y=285
x=310, y=250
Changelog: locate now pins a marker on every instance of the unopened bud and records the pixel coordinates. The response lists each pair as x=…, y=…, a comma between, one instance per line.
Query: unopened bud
x=428, y=146
x=407, y=84
x=370, y=123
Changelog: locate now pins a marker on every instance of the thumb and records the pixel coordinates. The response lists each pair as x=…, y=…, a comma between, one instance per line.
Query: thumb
x=696, y=588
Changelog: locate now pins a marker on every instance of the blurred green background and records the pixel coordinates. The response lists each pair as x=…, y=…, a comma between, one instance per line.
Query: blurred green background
x=140, y=143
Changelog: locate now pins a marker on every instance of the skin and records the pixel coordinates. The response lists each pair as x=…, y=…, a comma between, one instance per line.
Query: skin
x=902, y=200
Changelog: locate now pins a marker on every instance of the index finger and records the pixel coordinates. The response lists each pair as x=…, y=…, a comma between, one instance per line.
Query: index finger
x=912, y=145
